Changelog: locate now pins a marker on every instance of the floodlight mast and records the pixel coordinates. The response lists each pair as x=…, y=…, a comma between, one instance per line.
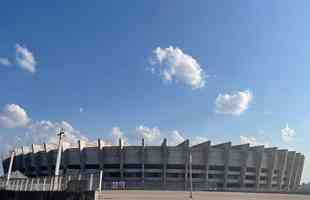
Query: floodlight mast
x=10, y=167
x=60, y=135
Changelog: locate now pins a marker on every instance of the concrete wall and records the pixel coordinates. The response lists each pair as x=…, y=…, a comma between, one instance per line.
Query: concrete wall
x=223, y=166
x=55, y=195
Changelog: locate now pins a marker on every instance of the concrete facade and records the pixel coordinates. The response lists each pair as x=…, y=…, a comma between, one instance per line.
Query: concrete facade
x=223, y=166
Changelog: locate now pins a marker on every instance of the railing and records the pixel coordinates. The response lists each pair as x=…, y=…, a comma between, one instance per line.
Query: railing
x=81, y=182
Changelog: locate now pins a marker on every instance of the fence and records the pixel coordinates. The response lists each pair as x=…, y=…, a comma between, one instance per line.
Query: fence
x=81, y=182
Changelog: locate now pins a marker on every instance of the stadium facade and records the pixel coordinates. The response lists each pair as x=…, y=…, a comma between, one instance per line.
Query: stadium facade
x=222, y=166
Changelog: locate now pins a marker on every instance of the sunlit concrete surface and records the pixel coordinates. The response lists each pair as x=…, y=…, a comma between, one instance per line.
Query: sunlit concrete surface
x=177, y=195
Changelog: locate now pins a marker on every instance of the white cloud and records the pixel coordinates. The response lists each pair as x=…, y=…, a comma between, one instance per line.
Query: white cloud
x=175, y=138
x=117, y=134
x=13, y=116
x=253, y=141
x=25, y=59
x=5, y=61
x=234, y=103
x=174, y=64
x=198, y=140
x=46, y=131
x=149, y=134
x=288, y=134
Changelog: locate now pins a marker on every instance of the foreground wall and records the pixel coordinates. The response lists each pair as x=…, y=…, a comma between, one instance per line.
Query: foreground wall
x=222, y=166
x=13, y=195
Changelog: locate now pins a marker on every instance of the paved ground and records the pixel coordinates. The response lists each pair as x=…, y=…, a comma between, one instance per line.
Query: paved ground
x=172, y=195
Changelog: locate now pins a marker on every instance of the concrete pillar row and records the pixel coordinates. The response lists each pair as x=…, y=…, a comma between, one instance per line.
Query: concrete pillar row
x=142, y=160
x=206, y=161
x=271, y=167
x=121, y=157
x=227, y=147
x=296, y=172
x=291, y=171
x=186, y=153
x=82, y=160
x=245, y=155
x=282, y=163
x=259, y=155
x=164, y=151
x=100, y=154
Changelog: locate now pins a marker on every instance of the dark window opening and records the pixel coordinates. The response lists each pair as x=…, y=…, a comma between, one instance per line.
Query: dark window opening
x=219, y=185
x=74, y=167
x=43, y=168
x=233, y=185
x=175, y=175
x=234, y=177
x=263, y=178
x=133, y=166
x=175, y=166
x=234, y=169
x=92, y=166
x=216, y=167
x=201, y=167
x=32, y=169
x=264, y=170
x=249, y=185
x=153, y=166
x=250, y=177
x=112, y=174
x=195, y=175
x=251, y=169
x=217, y=176
x=133, y=174
x=112, y=166
x=152, y=175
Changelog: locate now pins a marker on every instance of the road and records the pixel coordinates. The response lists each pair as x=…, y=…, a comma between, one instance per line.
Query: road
x=177, y=195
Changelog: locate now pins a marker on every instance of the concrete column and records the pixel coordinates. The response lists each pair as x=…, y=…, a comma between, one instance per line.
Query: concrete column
x=245, y=155
x=271, y=165
x=142, y=161
x=164, y=162
x=100, y=155
x=91, y=178
x=186, y=151
x=33, y=159
x=206, y=160
x=300, y=169
x=44, y=182
x=296, y=171
x=282, y=163
x=121, y=156
x=259, y=155
x=226, y=147
x=291, y=161
x=82, y=161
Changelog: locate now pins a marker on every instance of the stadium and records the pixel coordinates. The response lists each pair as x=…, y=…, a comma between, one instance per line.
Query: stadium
x=210, y=167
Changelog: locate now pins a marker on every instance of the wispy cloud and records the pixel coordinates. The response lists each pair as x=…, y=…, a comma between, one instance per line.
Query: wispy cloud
x=253, y=141
x=234, y=103
x=174, y=64
x=288, y=134
x=25, y=58
x=5, y=61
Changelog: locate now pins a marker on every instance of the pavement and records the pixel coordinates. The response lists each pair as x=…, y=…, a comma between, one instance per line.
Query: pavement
x=179, y=195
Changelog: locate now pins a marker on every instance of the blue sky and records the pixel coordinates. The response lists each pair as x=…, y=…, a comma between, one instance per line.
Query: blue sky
x=60, y=58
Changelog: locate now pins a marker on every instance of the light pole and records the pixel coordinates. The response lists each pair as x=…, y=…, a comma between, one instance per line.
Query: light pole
x=10, y=168
x=190, y=175
x=60, y=135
